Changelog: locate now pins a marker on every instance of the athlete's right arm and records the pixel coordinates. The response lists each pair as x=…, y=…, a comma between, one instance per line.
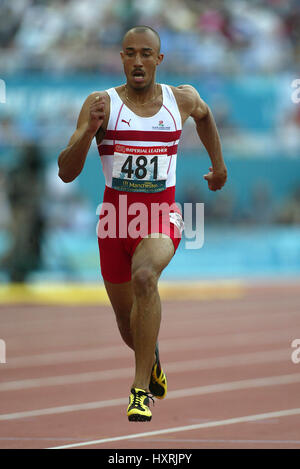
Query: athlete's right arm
x=91, y=117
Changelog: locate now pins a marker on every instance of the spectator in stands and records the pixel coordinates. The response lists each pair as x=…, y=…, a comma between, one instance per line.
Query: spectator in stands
x=25, y=196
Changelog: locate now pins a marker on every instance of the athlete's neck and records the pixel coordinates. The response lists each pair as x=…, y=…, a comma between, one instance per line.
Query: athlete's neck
x=141, y=97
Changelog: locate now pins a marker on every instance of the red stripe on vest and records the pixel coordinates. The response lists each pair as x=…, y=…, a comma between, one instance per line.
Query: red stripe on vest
x=142, y=135
x=105, y=150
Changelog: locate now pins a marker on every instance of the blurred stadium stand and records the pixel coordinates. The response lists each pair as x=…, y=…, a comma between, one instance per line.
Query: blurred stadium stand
x=241, y=56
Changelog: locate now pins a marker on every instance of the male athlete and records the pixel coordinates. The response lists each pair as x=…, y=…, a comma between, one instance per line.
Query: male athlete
x=137, y=127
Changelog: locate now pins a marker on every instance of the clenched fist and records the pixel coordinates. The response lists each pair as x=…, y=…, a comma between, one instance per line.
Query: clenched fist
x=96, y=115
x=216, y=178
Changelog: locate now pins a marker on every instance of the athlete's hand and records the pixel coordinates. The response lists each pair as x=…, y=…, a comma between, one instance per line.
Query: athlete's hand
x=216, y=178
x=96, y=115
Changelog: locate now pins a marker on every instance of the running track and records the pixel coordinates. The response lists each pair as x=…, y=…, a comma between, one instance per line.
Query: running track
x=232, y=383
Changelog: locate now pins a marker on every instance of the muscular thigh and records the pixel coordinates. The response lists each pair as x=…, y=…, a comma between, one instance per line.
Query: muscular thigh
x=154, y=253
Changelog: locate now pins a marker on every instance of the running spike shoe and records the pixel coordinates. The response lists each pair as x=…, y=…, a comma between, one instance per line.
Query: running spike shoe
x=158, y=381
x=138, y=408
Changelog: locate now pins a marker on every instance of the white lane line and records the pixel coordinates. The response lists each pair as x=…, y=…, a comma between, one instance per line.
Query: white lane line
x=64, y=409
x=166, y=345
x=89, y=377
x=218, y=423
x=73, y=356
x=271, y=356
x=255, y=317
x=202, y=440
x=40, y=438
x=188, y=392
x=178, y=440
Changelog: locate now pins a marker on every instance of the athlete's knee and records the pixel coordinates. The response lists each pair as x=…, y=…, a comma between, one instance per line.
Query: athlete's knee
x=144, y=281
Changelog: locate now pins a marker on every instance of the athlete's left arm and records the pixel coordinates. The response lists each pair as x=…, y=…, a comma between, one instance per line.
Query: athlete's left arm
x=209, y=136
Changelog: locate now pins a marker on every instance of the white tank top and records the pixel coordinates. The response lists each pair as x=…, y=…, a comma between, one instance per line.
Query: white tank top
x=139, y=154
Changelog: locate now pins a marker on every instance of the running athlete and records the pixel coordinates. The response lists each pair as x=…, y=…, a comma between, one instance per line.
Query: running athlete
x=137, y=127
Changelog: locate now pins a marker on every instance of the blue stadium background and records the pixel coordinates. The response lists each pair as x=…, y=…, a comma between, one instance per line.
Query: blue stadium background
x=241, y=56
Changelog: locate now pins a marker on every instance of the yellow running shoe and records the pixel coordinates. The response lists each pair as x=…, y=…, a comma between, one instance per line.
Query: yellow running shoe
x=158, y=381
x=138, y=410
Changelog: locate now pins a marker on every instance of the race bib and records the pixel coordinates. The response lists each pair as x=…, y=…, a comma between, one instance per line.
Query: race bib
x=140, y=169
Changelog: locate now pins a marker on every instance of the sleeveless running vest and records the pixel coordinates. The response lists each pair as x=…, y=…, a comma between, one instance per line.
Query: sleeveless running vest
x=139, y=154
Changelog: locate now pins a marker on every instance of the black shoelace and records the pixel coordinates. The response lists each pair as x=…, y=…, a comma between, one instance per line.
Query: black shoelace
x=138, y=397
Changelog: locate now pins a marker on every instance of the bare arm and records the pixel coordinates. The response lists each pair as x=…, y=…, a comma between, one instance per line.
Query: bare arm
x=207, y=130
x=91, y=117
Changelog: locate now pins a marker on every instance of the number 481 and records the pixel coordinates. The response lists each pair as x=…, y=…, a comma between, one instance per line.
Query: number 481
x=140, y=171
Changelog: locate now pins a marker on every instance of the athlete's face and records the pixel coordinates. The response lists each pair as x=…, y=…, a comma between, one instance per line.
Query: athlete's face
x=140, y=57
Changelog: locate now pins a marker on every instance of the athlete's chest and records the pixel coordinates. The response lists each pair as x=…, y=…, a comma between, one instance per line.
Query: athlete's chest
x=162, y=121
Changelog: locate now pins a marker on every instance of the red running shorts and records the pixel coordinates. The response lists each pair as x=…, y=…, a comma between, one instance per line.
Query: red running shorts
x=128, y=217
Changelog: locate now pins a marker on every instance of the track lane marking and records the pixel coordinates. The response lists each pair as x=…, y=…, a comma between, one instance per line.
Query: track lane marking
x=228, y=361
x=217, y=423
x=166, y=345
x=188, y=392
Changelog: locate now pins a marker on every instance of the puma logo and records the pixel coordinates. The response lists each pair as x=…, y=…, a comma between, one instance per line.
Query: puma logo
x=123, y=120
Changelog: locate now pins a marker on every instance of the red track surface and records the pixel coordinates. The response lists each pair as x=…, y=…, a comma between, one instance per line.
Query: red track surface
x=240, y=348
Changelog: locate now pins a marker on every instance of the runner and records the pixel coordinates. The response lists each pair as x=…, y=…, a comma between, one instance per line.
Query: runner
x=137, y=127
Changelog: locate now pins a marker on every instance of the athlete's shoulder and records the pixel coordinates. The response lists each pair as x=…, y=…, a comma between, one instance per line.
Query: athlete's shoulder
x=185, y=93
x=189, y=100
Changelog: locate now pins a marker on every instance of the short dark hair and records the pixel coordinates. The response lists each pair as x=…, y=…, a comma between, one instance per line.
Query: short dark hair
x=143, y=29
